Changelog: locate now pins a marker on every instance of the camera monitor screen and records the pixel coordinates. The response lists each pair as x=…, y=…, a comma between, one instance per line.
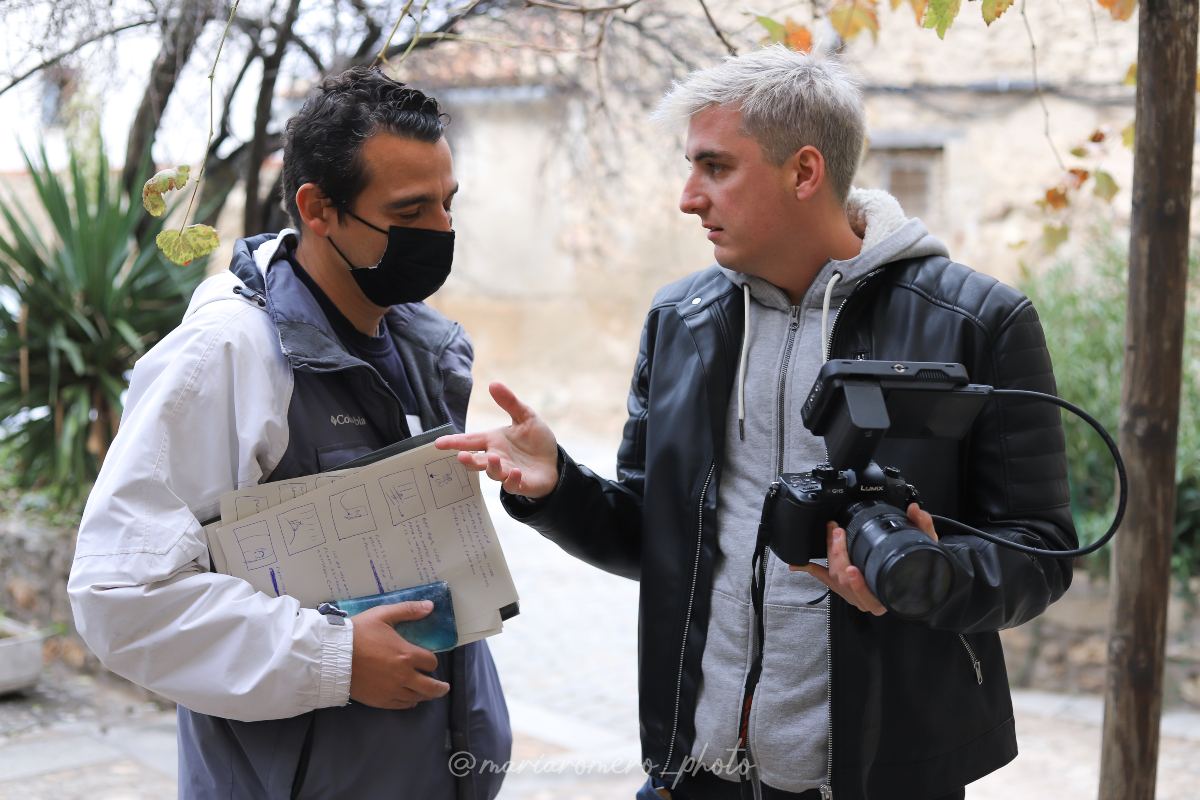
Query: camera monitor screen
x=853, y=404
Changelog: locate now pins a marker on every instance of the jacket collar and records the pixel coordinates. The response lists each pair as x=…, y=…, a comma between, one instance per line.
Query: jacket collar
x=305, y=335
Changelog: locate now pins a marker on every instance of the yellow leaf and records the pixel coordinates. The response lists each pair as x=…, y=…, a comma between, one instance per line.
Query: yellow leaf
x=940, y=15
x=992, y=9
x=1120, y=9
x=1079, y=152
x=798, y=37
x=851, y=17
x=1054, y=235
x=183, y=247
x=1127, y=135
x=1130, y=78
x=1106, y=188
x=162, y=182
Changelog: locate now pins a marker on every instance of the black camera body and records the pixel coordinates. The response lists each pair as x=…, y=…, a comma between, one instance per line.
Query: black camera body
x=805, y=501
x=853, y=404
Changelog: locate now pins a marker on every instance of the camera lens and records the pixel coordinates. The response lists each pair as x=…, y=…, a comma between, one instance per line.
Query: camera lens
x=909, y=573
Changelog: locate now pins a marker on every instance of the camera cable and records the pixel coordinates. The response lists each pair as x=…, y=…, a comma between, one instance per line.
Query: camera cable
x=1122, y=482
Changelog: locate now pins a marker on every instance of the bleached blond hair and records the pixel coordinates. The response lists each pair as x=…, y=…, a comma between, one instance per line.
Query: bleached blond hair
x=788, y=100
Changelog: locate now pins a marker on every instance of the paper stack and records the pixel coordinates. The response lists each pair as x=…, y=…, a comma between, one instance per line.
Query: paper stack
x=411, y=518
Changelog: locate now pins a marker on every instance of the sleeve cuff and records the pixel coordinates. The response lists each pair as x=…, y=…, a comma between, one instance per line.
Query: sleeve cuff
x=337, y=652
x=521, y=507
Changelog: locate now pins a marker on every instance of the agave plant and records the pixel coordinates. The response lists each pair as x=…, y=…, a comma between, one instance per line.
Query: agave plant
x=83, y=293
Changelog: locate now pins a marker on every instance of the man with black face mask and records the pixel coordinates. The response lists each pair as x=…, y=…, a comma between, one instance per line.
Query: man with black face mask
x=314, y=348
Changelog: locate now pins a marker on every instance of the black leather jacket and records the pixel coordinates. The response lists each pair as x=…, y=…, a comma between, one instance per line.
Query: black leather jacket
x=918, y=709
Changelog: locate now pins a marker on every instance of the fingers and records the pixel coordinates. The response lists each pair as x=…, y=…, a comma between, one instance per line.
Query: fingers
x=403, y=612
x=423, y=687
x=843, y=577
x=922, y=519
x=462, y=441
x=504, y=397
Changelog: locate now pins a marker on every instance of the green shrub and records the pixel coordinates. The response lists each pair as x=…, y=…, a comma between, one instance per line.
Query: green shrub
x=1082, y=306
x=82, y=296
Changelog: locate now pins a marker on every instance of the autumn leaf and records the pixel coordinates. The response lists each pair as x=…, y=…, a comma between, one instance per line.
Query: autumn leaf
x=1079, y=151
x=851, y=17
x=940, y=14
x=1130, y=78
x=1106, y=188
x=162, y=182
x=1127, y=135
x=1056, y=198
x=1053, y=236
x=1120, y=9
x=799, y=38
x=918, y=7
x=992, y=9
x=1075, y=177
x=183, y=247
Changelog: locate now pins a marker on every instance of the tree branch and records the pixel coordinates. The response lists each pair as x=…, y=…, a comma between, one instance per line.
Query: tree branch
x=1038, y=86
x=572, y=9
x=262, y=118
x=717, y=29
x=50, y=62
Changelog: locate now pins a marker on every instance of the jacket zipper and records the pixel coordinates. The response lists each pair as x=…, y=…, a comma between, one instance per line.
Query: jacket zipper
x=826, y=789
x=975, y=662
x=687, y=621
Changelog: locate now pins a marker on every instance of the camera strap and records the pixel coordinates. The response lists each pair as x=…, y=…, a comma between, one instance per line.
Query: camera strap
x=750, y=783
x=751, y=786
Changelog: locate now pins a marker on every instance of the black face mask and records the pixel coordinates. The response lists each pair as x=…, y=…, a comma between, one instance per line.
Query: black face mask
x=415, y=264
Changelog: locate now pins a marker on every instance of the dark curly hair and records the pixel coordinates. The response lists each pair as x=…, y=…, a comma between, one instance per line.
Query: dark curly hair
x=323, y=142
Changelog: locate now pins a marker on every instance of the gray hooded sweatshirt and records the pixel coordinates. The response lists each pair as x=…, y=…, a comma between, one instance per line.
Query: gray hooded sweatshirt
x=784, y=348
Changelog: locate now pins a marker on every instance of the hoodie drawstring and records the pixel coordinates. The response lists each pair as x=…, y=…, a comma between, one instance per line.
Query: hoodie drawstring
x=833, y=279
x=742, y=362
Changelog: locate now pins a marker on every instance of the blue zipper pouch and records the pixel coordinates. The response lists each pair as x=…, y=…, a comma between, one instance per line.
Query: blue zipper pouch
x=436, y=632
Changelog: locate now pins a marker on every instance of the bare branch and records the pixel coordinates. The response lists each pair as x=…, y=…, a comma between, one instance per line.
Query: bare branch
x=1038, y=87
x=50, y=62
x=403, y=13
x=553, y=5
x=717, y=29
x=262, y=117
x=223, y=128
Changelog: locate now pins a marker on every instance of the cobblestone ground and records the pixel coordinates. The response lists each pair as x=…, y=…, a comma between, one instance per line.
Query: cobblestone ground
x=568, y=667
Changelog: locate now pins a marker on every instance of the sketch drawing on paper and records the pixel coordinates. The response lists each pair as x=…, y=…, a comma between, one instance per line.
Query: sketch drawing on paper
x=403, y=499
x=290, y=491
x=448, y=480
x=248, y=506
x=351, y=512
x=301, y=529
x=255, y=541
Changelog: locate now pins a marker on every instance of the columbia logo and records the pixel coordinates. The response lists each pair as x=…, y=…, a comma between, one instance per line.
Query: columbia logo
x=346, y=419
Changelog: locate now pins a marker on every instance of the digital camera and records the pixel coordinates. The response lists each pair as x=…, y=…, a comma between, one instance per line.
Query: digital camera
x=853, y=404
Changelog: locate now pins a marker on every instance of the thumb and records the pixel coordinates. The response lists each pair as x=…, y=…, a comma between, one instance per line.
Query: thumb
x=507, y=400
x=404, y=612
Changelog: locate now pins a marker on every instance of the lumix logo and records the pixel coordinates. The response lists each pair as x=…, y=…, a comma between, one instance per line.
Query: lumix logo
x=346, y=419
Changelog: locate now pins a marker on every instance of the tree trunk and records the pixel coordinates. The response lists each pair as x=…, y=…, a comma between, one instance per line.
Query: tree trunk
x=1158, y=250
x=179, y=38
x=252, y=216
